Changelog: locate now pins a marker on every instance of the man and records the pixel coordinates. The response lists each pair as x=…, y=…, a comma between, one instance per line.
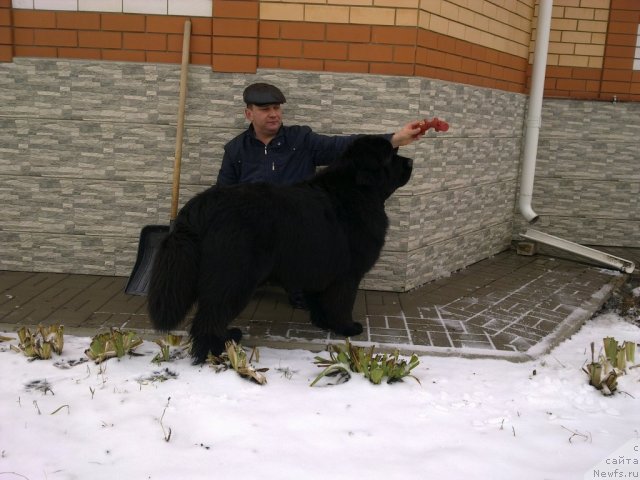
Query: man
x=271, y=152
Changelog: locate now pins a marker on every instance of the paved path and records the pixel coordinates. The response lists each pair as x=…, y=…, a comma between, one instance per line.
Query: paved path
x=508, y=306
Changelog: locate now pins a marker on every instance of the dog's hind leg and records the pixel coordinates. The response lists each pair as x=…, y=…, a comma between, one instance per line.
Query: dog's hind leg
x=216, y=310
x=209, y=331
x=332, y=309
x=205, y=340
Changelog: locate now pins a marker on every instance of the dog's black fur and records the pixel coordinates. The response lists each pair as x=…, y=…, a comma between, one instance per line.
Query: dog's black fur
x=320, y=236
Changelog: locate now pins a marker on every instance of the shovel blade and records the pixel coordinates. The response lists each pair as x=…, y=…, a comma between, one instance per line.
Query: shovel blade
x=150, y=238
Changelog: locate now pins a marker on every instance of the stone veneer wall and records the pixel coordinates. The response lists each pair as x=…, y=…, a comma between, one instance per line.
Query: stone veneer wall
x=86, y=155
x=587, y=183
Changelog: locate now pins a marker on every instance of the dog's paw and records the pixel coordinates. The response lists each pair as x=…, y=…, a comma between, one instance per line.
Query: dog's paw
x=318, y=319
x=199, y=354
x=234, y=334
x=355, y=328
x=202, y=345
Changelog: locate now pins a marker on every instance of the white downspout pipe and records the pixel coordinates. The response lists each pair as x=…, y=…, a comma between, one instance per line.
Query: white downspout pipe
x=534, y=114
x=534, y=111
x=621, y=264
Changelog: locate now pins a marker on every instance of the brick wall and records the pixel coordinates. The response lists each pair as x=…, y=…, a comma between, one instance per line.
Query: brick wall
x=108, y=36
x=620, y=74
x=591, y=50
x=6, y=32
x=481, y=43
x=87, y=145
x=236, y=29
x=587, y=183
x=87, y=155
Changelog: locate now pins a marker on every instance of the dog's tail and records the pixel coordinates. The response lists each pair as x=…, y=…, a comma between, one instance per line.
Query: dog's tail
x=174, y=277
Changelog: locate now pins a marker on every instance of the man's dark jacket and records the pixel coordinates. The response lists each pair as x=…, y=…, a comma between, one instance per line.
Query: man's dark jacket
x=292, y=156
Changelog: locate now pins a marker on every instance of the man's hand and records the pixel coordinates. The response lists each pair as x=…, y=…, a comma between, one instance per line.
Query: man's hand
x=412, y=131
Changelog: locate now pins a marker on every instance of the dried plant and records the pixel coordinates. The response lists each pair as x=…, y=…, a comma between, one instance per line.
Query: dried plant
x=603, y=374
x=619, y=355
x=171, y=348
x=41, y=343
x=235, y=357
x=630, y=348
x=112, y=344
x=375, y=367
x=606, y=383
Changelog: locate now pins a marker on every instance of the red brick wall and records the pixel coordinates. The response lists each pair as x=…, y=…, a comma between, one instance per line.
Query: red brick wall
x=235, y=36
x=616, y=77
x=6, y=32
x=235, y=40
x=446, y=58
x=337, y=47
x=108, y=36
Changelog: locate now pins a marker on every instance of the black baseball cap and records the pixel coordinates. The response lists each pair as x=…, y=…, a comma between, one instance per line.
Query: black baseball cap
x=262, y=94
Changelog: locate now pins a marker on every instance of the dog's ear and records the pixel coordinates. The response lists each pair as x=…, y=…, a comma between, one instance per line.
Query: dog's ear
x=370, y=152
x=366, y=177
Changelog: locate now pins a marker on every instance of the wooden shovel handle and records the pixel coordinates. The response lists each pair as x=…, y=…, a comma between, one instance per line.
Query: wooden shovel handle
x=184, y=69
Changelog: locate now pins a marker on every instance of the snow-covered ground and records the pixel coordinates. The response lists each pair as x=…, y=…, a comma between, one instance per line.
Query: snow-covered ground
x=468, y=419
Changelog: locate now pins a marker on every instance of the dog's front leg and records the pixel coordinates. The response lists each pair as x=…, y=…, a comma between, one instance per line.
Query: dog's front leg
x=332, y=309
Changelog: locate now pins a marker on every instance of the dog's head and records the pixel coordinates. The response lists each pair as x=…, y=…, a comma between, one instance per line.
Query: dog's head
x=378, y=165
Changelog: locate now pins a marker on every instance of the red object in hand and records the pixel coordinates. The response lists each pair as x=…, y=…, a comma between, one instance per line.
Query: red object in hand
x=437, y=124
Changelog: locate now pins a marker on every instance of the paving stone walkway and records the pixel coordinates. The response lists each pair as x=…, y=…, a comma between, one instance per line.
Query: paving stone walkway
x=508, y=306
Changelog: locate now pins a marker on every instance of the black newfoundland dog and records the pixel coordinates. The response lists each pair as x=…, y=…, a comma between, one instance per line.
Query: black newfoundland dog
x=320, y=236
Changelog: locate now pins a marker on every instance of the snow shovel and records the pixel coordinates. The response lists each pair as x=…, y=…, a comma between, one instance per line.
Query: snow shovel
x=152, y=235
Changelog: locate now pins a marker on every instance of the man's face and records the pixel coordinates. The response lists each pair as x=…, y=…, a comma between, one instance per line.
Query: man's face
x=266, y=119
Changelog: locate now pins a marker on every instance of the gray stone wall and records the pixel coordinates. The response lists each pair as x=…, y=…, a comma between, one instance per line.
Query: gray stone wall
x=587, y=180
x=86, y=155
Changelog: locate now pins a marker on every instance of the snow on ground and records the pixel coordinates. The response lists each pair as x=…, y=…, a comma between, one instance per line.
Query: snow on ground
x=468, y=419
